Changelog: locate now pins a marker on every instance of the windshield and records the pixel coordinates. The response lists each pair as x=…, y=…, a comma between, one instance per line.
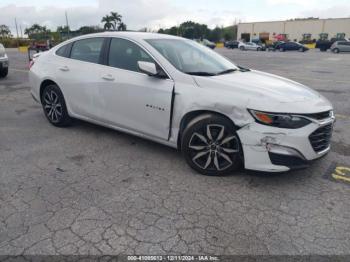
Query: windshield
x=192, y=58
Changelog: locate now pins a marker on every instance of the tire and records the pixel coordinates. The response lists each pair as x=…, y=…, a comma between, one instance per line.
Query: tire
x=242, y=48
x=4, y=72
x=54, y=106
x=301, y=49
x=203, y=142
x=258, y=49
x=336, y=50
x=281, y=49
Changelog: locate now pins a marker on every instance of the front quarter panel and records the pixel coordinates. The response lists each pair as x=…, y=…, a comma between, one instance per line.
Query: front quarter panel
x=190, y=98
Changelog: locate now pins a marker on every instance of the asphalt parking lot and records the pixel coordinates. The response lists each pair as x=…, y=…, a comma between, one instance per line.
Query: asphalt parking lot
x=90, y=190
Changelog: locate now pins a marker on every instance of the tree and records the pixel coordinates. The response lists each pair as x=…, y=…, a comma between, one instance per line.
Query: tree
x=37, y=32
x=89, y=29
x=216, y=34
x=113, y=21
x=121, y=26
x=108, y=22
x=5, y=31
x=116, y=18
x=64, y=29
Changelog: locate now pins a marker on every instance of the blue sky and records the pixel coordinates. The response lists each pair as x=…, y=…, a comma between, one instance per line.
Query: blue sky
x=164, y=13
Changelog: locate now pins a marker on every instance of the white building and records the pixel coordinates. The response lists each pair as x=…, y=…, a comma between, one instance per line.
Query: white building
x=294, y=29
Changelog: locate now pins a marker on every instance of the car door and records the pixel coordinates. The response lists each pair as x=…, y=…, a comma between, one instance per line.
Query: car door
x=287, y=46
x=78, y=76
x=295, y=46
x=346, y=46
x=131, y=99
x=251, y=46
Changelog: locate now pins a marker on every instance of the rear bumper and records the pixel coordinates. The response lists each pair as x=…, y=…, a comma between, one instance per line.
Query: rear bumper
x=274, y=149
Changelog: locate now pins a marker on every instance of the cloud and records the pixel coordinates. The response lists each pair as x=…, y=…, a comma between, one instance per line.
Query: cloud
x=136, y=14
x=337, y=11
x=153, y=14
x=292, y=2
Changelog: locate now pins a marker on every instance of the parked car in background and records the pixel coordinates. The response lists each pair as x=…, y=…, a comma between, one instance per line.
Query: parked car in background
x=340, y=46
x=324, y=44
x=179, y=93
x=249, y=46
x=231, y=44
x=4, y=62
x=291, y=46
x=208, y=43
x=272, y=46
x=260, y=43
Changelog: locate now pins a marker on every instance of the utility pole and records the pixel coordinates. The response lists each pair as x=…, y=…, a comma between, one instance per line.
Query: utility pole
x=67, y=24
x=17, y=32
x=20, y=29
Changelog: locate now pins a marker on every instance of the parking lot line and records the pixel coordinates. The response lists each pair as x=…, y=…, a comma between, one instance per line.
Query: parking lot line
x=338, y=177
x=342, y=173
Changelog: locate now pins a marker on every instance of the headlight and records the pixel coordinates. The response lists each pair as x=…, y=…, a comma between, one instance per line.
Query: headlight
x=279, y=120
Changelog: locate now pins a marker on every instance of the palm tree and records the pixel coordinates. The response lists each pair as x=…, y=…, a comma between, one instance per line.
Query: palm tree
x=4, y=31
x=121, y=26
x=116, y=18
x=108, y=20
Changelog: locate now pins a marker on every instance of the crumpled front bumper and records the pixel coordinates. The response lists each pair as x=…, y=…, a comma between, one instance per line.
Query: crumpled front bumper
x=274, y=149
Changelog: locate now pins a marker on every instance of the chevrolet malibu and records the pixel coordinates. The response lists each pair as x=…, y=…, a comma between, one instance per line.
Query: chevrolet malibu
x=179, y=93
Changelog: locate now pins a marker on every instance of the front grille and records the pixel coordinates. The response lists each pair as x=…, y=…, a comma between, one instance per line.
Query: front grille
x=319, y=116
x=321, y=138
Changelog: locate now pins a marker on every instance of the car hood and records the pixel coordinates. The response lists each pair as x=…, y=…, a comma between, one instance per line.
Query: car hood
x=263, y=91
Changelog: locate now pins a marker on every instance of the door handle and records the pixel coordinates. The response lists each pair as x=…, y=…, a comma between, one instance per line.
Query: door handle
x=64, y=68
x=108, y=77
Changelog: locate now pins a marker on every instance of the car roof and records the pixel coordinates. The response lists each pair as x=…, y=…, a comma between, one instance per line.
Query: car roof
x=131, y=35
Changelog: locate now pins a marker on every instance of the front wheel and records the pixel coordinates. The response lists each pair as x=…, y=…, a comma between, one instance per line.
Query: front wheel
x=54, y=106
x=211, y=145
x=242, y=48
x=301, y=49
x=4, y=72
x=336, y=50
x=258, y=49
x=281, y=49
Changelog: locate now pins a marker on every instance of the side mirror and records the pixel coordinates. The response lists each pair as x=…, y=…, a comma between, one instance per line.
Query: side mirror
x=147, y=68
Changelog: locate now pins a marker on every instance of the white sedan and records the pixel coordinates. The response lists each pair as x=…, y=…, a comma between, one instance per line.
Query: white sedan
x=249, y=46
x=4, y=62
x=179, y=93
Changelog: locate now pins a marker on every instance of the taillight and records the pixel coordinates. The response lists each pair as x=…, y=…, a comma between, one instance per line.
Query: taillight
x=31, y=63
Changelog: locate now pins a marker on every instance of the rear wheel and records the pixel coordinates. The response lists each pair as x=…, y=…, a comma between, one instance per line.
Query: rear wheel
x=301, y=49
x=211, y=145
x=242, y=48
x=54, y=106
x=258, y=49
x=281, y=49
x=4, y=72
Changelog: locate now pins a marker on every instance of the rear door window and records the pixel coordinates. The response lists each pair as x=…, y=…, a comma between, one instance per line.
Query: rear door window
x=88, y=50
